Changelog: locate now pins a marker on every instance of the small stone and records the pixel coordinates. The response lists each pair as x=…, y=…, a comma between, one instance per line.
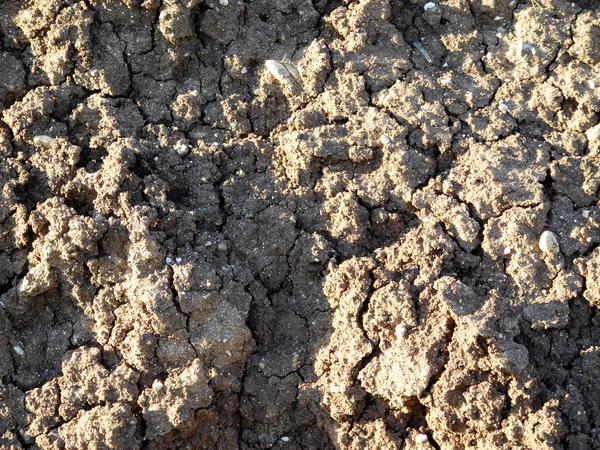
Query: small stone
x=384, y=139
x=178, y=260
x=18, y=350
x=224, y=2
x=421, y=439
x=222, y=247
x=169, y=260
x=401, y=331
x=182, y=149
x=548, y=241
x=591, y=134
x=43, y=140
x=244, y=70
x=503, y=107
x=429, y=6
x=586, y=213
x=507, y=250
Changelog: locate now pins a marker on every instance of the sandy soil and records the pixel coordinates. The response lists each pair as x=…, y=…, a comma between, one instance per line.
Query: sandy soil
x=203, y=256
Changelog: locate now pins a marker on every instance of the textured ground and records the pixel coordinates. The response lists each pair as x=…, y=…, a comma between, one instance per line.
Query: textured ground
x=205, y=257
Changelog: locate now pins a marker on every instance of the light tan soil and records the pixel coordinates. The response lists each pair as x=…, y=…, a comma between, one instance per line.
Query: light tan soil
x=206, y=257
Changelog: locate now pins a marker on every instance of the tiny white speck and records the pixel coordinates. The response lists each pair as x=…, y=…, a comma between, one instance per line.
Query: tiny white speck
x=507, y=250
x=157, y=385
x=498, y=18
x=224, y=2
x=169, y=260
x=384, y=139
x=244, y=70
x=585, y=213
x=429, y=6
x=18, y=350
x=178, y=260
x=503, y=107
x=285, y=439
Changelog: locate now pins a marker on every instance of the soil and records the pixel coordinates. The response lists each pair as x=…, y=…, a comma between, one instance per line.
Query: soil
x=197, y=252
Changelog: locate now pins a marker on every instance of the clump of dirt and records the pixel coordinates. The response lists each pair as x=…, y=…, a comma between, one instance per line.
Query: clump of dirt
x=197, y=254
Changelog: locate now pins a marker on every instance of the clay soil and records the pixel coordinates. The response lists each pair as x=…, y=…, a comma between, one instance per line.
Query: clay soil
x=200, y=255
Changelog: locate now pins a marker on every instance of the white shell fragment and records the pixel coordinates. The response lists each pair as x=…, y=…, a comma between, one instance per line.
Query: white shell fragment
x=224, y=2
x=284, y=72
x=244, y=70
x=548, y=241
x=384, y=139
x=18, y=350
x=423, y=52
x=43, y=140
x=503, y=107
x=429, y=6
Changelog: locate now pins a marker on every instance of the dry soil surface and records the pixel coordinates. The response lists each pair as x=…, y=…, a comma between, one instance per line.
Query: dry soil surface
x=205, y=254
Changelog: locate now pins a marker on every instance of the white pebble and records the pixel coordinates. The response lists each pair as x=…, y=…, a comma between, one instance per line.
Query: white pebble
x=401, y=331
x=421, y=438
x=157, y=385
x=18, y=350
x=384, y=139
x=548, y=241
x=178, y=260
x=586, y=213
x=169, y=260
x=224, y=2
x=43, y=140
x=285, y=439
x=182, y=149
x=507, y=250
x=284, y=72
x=498, y=18
x=593, y=133
x=244, y=69
x=429, y=6
x=503, y=107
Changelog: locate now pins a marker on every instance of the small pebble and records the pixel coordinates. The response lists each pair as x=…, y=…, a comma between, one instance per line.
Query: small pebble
x=157, y=385
x=421, y=439
x=429, y=6
x=285, y=439
x=224, y=2
x=384, y=139
x=169, y=260
x=401, y=331
x=178, y=260
x=222, y=247
x=586, y=213
x=182, y=149
x=548, y=241
x=18, y=350
x=244, y=70
x=43, y=140
x=503, y=107
x=507, y=250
